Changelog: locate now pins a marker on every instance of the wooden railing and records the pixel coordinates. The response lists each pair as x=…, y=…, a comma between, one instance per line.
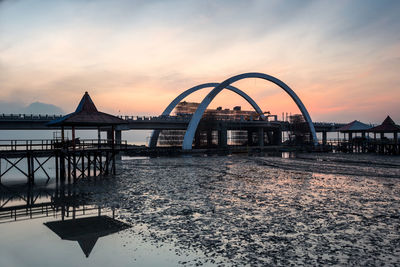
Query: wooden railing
x=51, y=144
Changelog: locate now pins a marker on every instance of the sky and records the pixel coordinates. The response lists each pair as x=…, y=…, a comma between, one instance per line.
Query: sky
x=342, y=58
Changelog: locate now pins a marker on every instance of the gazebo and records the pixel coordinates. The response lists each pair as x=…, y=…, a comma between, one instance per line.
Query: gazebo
x=387, y=126
x=355, y=127
x=87, y=115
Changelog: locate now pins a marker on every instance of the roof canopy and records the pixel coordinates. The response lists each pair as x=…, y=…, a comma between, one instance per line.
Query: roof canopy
x=86, y=114
x=387, y=126
x=355, y=126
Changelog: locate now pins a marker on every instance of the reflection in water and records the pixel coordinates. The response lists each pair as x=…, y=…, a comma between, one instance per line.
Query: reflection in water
x=313, y=210
x=86, y=230
x=26, y=202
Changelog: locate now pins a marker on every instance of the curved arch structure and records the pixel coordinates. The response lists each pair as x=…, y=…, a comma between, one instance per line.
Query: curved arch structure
x=179, y=98
x=194, y=122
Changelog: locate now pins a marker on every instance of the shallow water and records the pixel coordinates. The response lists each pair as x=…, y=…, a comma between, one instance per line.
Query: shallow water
x=314, y=209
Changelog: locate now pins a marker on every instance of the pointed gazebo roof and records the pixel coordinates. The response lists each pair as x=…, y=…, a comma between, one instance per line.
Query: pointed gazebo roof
x=387, y=126
x=87, y=230
x=355, y=126
x=86, y=114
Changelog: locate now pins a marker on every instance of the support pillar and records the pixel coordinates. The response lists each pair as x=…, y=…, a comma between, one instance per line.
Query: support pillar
x=118, y=137
x=209, y=138
x=107, y=163
x=269, y=136
x=94, y=164
x=29, y=162
x=113, y=164
x=324, y=138
x=363, y=142
x=83, y=164
x=62, y=167
x=277, y=137
x=109, y=137
x=88, y=164
x=197, y=139
x=69, y=167
x=249, y=137
x=223, y=137
x=98, y=136
x=260, y=137
x=73, y=137
x=62, y=133
x=57, y=168
x=74, y=164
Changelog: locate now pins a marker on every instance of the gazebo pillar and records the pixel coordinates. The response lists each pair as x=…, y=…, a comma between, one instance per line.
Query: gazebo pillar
x=62, y=133
x=324, y=137
x=98, y=135
x=109, y=136
x=382, y=135
x=118, y=137
x=112, y=136
x=73, y=137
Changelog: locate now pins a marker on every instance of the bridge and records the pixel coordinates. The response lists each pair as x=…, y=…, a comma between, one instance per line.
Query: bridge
x=75, y=159
x=195, y=122
x=162, y=122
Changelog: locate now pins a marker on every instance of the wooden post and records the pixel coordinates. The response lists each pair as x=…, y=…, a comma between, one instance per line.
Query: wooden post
x=260, y=137
x=88, y=163
x=98, y=136
x=32, y=170
x=73, y=138
x=107, y=162
x=62, y=167
x=57, y=169
x=29, y=168
x=113, y=162
x=209, y=138
x=62, y=133
x=69, y=167
x=94, y=164
x=83, y=164
x=112, y=137
x=324, y=138
x=74, y=165
x=101, y=163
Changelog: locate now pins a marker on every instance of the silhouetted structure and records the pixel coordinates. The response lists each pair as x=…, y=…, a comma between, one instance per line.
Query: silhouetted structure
x=355, y=127
x=207, y=136
x=86, y=231
x=387, y=126
x=86, y=114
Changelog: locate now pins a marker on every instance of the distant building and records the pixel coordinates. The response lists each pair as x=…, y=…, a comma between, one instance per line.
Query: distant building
x=175, y=137
x=188, y=108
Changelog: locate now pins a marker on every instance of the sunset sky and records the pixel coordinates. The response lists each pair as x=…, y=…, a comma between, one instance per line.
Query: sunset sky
x=341, y=57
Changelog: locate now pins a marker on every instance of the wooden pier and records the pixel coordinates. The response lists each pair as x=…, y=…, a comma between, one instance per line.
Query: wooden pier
x=72, y=160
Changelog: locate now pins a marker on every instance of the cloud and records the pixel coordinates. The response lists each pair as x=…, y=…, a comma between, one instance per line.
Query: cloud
x=138, y=55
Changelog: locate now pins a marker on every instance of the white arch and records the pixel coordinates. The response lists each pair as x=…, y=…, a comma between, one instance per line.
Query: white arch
x=178, y=99
x=194, y=122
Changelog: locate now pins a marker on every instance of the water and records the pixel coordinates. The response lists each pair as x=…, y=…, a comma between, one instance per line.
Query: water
x=312, y=209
